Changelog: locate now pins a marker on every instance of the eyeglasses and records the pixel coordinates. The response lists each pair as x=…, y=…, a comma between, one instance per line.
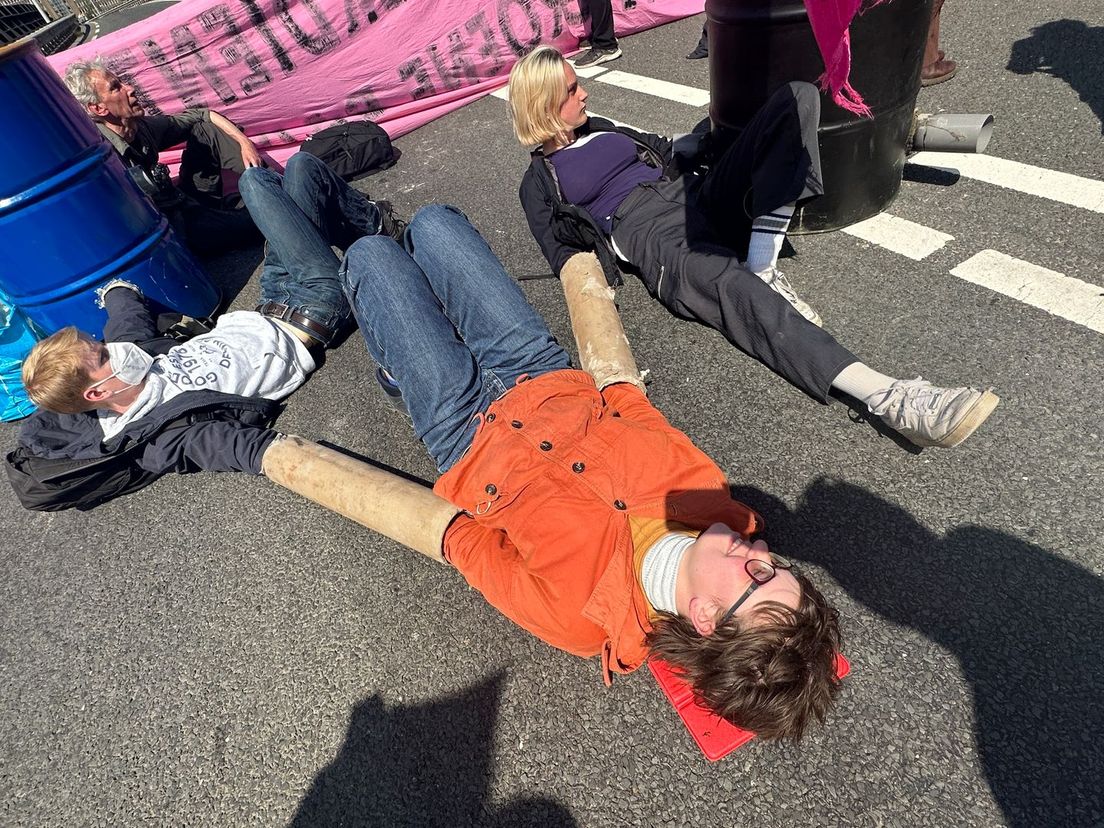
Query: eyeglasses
x=760, y=573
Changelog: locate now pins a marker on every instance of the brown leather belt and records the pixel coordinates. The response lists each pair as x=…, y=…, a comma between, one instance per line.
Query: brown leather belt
x=277, y=310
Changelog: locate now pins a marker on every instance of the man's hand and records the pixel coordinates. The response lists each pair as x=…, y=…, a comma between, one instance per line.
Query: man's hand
x=250, y=156
x=249, y=153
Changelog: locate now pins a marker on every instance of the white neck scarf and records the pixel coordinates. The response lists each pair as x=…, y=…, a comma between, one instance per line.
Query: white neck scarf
x=659, y=569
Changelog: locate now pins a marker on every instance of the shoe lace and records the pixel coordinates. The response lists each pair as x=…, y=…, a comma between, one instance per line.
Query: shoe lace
x=777, y=281
x=914, y=395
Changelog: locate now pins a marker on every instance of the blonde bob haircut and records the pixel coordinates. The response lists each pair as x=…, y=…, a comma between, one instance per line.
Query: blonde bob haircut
x=538, y=89
x=55, y=373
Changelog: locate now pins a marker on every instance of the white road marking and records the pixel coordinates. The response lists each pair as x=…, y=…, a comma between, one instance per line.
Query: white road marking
x=899, y=235
x=1056, y=186
x=677, y=92
x=1039, y=287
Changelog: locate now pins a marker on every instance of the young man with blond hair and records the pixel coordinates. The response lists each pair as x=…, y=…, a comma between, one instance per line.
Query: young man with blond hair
x=139, y=405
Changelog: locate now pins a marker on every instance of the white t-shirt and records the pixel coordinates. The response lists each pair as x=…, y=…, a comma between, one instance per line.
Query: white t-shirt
x=246, y=354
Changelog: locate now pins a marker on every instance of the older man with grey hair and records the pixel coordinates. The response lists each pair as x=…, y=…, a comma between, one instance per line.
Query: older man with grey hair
x=209, y=220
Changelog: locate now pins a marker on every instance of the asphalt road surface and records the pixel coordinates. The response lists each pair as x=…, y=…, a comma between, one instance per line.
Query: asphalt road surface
x=214, y=650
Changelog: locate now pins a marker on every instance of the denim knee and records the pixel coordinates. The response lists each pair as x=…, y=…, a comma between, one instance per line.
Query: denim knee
x=303, y=164
x=433, y=214
x=256, y=178
x=361, y=262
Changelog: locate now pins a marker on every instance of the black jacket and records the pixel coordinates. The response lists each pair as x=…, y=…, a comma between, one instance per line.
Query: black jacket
x=562, y=229
x=62, y=460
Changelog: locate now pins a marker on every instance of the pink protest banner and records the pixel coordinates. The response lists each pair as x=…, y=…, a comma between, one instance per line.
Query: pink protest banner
x=284, y=69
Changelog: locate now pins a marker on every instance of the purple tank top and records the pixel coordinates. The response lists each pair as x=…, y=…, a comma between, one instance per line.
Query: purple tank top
x=598, y=171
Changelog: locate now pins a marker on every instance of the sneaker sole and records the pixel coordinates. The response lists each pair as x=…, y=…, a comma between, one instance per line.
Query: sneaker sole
x=599, y=61
x=977, y=415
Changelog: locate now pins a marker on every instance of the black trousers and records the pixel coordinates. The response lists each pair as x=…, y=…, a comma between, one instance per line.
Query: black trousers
x=210, y=221
x=600, y=13
x=687, y=238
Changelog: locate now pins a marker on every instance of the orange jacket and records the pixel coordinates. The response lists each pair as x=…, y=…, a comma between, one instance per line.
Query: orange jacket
x=553, y=473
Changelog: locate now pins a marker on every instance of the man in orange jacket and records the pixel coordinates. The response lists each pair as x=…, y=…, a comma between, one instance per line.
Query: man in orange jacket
x=587, y=518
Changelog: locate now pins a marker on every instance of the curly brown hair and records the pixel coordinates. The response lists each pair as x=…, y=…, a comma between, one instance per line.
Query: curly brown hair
x=770, y=672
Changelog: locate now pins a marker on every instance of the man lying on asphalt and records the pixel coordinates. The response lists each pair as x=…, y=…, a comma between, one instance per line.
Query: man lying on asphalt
x=141, y=405
x=585, y=517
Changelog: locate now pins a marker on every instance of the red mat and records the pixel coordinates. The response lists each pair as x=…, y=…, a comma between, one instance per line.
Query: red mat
x=716, y=737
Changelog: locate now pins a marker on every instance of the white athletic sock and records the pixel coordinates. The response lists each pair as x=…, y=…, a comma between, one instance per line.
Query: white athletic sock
x=862, y=382
x=767, y=234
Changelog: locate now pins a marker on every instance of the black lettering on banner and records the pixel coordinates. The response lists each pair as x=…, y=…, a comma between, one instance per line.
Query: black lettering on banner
x=325, y=41
x=261, y=25
x=461, y=62
x=561, y=9
x=237, y=49
x=192, y=62
x=121, y=63
x=391, y=4
x=361, y=100
x=519, y=48
x=477, y=24
x=415, y=68
x=447, y=78
x=352, y=19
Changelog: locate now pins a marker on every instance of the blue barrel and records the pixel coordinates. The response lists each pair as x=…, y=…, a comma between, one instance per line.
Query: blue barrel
x=70, y=217
x=756, y=46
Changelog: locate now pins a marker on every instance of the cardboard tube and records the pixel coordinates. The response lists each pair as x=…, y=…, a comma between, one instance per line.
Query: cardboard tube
x=603, y=347
x=401, y=509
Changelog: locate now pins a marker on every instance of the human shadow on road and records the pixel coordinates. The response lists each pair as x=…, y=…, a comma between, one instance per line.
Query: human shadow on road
x=1024, y=624
x=421, y=765
x=1069, y=50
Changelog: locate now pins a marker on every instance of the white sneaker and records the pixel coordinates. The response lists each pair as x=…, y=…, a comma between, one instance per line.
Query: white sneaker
x=777, y=282
x=931, y=416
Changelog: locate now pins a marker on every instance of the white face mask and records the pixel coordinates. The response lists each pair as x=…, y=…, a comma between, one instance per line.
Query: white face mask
x=129, y=363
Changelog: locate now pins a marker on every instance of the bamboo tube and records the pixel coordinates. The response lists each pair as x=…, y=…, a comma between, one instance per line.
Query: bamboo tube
x=401, y=509
x=604, y=350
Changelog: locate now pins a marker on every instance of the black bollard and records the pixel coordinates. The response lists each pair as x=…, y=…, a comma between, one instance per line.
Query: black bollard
x=756, y=46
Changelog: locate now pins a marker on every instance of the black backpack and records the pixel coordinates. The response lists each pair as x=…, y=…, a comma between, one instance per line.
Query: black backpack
x=353, y=149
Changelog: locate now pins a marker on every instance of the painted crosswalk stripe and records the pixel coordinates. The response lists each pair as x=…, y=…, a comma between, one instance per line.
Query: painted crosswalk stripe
x=899, y=235
x=1039, y=287
x=1065, y=188
x=680, y=93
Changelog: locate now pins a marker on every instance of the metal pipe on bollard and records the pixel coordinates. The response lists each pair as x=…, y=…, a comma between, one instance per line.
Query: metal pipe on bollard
x=951, y=132
x=604, y=350
x=401, y=509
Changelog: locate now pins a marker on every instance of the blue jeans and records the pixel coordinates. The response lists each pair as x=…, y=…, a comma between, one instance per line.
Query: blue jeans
x=445, y=320
x=302, y=214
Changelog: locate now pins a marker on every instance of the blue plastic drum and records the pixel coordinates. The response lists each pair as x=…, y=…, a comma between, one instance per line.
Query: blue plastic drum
x=70, y=217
